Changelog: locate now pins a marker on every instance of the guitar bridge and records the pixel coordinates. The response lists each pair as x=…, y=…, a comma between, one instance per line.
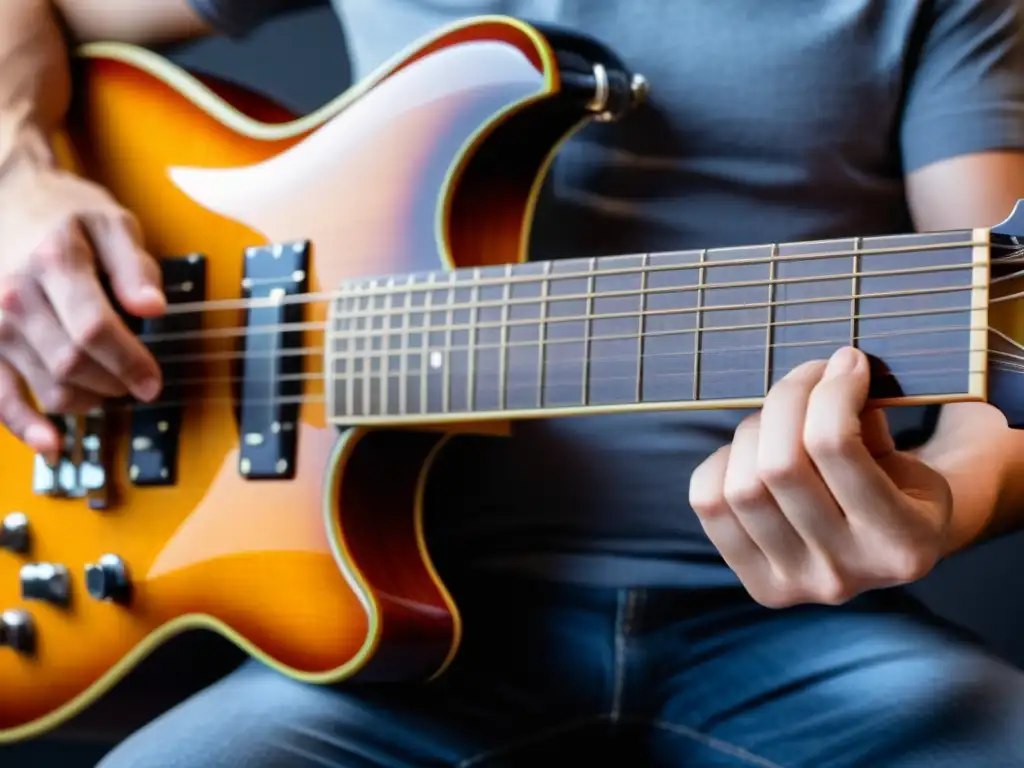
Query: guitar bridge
x=80, y=470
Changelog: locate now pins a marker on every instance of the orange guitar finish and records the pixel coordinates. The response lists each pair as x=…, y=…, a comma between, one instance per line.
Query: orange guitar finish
x=325, y=576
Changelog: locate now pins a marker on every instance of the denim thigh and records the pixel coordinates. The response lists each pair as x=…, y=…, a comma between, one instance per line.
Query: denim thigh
x=634, y=678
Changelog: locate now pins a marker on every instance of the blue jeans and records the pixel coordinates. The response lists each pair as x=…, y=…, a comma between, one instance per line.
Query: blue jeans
x=554, y=675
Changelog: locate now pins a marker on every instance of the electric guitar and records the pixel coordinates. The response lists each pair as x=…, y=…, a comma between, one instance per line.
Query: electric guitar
x=350, y=290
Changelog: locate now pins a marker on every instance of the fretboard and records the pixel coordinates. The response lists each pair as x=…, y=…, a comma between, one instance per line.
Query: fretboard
x=690, y=329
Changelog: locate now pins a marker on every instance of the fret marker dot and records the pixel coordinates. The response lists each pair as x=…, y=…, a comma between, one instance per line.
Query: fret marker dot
x=436, y=360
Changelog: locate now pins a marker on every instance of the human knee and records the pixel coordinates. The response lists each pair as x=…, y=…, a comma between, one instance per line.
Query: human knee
x=961, y=708
x=250, y=718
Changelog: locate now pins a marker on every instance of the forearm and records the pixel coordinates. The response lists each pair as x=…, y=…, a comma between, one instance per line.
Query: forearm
x=35, y=79
x=35, y=83
x=983, y=460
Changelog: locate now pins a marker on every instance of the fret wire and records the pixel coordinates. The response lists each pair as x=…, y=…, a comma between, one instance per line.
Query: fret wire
x=403, y=360
x=762, y=305
x=747, y=327
x=587, y=330
x=699, y=325
x=821, y=255
x=741, y=284
x=771, y=317
x=330, y=363
x=385, y=361
x=350, y=394
x=927, y=352
x=775, y=345
x=428, y=301
x=446, y=377
x=825, y=342
x=367, y=377
x=506, y=294
x=542, y=333
x=641, y=329
x=473, y=331
x=1011, y=365
x=944, y=396
x=854, y=288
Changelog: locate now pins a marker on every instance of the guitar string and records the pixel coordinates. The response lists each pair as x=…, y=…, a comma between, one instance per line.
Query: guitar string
x=370, y=314
x=318, y=351
x=533, y=407
x=376, y=377
x=371, y=335
x=561, y=360
x=409, y=284
x=626, y=405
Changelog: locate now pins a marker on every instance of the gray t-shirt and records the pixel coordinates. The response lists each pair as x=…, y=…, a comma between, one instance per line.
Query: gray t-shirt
x=768, y=121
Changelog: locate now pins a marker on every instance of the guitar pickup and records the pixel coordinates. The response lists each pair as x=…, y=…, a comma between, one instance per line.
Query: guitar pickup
x=272, y=359
x=156, y=426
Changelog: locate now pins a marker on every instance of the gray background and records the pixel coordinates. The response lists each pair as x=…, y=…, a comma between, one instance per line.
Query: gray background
x=301, y=62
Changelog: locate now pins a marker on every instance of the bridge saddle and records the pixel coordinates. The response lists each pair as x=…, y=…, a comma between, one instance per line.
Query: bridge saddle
x=80, y=470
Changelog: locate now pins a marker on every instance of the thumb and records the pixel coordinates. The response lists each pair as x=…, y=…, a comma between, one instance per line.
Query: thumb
x=134, y=274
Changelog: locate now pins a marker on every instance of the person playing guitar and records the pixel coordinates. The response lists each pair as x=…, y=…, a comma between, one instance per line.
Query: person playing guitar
x=647, y=588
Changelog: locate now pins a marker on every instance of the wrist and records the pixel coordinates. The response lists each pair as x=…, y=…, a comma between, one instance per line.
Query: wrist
x=977, y=488
x=980, y=483
x=970, y=453
x=24, y=147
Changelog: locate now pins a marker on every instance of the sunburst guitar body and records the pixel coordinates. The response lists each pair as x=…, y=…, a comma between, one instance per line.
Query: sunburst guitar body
x=347, y=291
x=213, y=514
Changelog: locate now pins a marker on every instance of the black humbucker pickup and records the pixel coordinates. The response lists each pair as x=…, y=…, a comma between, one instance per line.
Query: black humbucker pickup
x=156, y=426
x=272, y=360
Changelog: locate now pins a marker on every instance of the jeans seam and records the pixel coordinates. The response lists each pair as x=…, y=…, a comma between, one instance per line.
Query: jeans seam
x=712, y=742
x=534, y=738
x=623, y=616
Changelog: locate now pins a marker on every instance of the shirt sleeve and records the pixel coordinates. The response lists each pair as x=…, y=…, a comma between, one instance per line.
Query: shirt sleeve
x=965, y=85
x=236, y=18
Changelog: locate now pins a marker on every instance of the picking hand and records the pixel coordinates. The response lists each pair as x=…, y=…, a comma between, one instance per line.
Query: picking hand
x=812, y=503
x=59, y=334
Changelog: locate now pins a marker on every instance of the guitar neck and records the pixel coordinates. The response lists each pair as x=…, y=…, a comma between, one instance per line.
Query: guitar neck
x=700, y=329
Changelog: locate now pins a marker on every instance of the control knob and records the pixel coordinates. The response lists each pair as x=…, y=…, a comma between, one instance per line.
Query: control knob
x=14, y=533
x=17, y=631
x=108, y=579
x=48, y=582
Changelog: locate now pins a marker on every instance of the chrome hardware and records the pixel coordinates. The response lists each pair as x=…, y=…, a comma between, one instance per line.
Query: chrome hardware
x=640, y=89
x=602, y=92
x=46, y=582
x=613, y=99
x=14, y=533
x=17, y=631
x=80, y=470
x=108, y=579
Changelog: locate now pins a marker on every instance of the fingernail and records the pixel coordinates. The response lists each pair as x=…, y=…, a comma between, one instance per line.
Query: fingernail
x=842, y=362
x=147, y=389
x=151, y=293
